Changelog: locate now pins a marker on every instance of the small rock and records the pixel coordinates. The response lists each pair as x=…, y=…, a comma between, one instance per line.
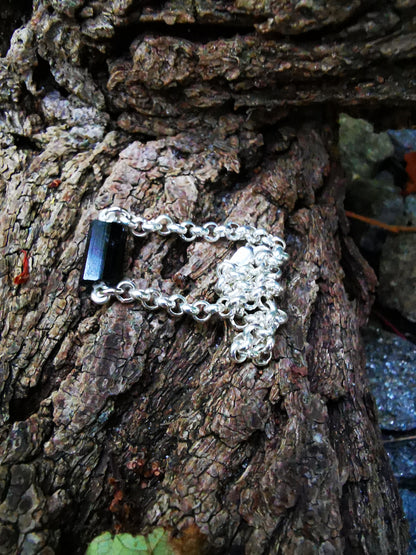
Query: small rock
x=397, y=275
x=372, y=188
x=377, y=198
x=361, y=149
x=402, y=459
x=404, y=140
x=409, y=506
x=391, y=364
x=410, y=209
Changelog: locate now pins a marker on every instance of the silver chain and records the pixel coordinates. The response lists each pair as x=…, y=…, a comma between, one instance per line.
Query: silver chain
x=247, y=282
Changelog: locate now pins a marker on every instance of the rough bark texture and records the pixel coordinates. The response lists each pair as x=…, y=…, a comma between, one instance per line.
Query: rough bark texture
x=112, y=100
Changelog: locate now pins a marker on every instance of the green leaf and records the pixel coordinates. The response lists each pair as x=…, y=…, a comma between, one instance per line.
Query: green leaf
x=156, y=543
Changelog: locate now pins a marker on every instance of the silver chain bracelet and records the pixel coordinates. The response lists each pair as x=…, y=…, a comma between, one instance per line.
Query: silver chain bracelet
x=247, y=282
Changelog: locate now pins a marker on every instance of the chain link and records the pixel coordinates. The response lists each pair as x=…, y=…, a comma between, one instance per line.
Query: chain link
x=188, y=231
x=247, y=282
x=152, y=299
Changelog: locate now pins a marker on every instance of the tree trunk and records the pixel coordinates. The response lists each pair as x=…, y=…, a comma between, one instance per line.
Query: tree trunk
x=117, y=418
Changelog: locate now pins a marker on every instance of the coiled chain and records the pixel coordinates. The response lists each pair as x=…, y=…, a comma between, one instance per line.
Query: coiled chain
x=247, y=282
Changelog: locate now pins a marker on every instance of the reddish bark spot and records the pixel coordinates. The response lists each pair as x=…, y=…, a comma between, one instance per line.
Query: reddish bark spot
x=54, y=184
x=115, y=503
x=136, y=465
x=25, y=273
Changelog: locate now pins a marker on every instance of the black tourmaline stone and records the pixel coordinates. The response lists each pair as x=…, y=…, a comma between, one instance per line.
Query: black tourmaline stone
x=104, y=253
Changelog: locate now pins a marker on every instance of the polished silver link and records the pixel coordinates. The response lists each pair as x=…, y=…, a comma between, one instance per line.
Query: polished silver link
x=219, y=231
x=140, y=295
x=153, y=296
x=101, y=293
x=165, y=221
x=224, y=310
x=151, y=226
x=136, y=227
x=188, y=235
x=176, y=309
x=205, y=310
x=179, y=229
x=247, y=284
x=210, y=228
x=164, y=302
x=199, y=232
x=190, y=309
x=231, y=231
x=123, y=291
x=116, y=214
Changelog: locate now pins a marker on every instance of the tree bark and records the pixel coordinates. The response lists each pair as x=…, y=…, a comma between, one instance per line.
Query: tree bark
x=116, y=418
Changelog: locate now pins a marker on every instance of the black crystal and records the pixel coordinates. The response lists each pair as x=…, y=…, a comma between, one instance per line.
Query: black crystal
x=104, y=253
